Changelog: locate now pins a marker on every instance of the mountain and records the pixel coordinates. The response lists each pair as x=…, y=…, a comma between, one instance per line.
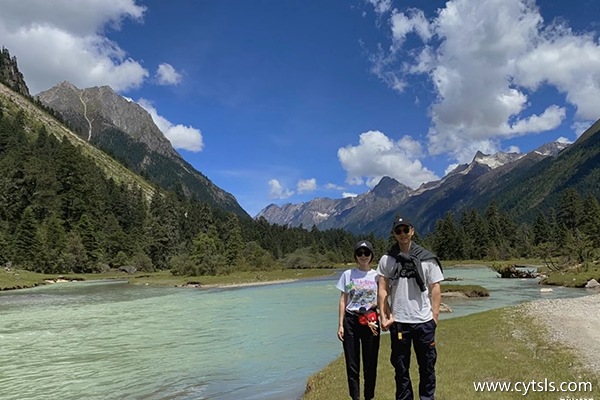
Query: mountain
x=351, y=213
x=464, y=188
x=475, y=185
x=10, y=74
x=15, y=103
x=539, y=188
x=126, y=131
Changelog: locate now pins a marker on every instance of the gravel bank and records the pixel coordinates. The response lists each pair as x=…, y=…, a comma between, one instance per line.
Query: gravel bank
x=573, y=322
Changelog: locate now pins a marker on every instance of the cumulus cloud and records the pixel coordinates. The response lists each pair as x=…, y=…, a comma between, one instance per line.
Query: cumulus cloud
x=377, y=156
x=70, y=37
x=180, y=136
x=485, y=61
x=306, y=185
x=277, y=191
x=167, y=75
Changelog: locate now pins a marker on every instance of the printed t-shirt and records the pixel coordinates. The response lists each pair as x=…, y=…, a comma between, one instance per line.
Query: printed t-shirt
x=361, y=287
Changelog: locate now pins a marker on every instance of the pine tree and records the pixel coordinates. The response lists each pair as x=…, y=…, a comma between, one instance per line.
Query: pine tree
x=570, y=210
x=542, y=231
x=206, y=256
x=26, y=244
x=445, y=240
x=75, y=257
x=231, y=236
x=590, y=222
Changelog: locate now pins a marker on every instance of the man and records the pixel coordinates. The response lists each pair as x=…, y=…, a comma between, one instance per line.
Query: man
x=410, y=276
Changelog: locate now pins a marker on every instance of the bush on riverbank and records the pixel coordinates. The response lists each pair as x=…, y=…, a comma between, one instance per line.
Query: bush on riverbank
x=468, y=290
x=497, y=345
x=576, y=276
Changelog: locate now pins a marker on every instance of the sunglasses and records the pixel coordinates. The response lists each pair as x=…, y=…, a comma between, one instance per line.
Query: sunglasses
x=402, y=229
x=361, y=253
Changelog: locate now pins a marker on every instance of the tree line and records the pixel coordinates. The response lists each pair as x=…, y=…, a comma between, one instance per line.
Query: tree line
x=570, y=231
x=60, y=214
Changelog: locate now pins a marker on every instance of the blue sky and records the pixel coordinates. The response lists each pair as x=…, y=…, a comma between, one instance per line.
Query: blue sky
x=281, y=101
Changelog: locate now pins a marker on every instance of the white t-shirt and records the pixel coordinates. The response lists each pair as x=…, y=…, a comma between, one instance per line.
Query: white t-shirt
x=361, y=287
x=409, y=304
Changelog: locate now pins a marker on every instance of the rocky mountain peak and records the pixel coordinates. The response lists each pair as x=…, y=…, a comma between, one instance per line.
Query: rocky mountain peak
x=496, y=160
x=10, y=74
x=99, y=107
x=551, y=149
x=388, y=187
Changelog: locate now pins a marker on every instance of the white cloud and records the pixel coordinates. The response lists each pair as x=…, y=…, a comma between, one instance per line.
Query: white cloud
x=377, y=156
x=333, y=186
x=306, y=185
x=450, y=168
x=166, y=75
x=277, y=191
x=564, y=140
x=414, y=21
x=69, y=37
x=485, y=61
x=579, y=127
x=180, y=136
x=345, y=195
x=381, y=6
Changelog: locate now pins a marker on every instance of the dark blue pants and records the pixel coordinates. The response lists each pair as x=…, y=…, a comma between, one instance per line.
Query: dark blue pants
x=356, y=335
x=422, y=337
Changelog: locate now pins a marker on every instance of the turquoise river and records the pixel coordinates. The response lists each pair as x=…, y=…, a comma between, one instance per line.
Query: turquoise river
x=112, y=340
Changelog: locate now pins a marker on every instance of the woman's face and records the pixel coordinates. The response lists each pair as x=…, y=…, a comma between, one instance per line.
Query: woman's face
x=363, y=256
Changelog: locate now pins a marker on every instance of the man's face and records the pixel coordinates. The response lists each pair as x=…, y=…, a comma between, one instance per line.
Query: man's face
x=403, y=233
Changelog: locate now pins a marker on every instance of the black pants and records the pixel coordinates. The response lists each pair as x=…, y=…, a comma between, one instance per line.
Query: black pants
x=356, y=335
x=422, y=337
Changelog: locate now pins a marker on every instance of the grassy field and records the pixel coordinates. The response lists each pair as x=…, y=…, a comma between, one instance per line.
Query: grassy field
x=497, y=345
x=19, y=279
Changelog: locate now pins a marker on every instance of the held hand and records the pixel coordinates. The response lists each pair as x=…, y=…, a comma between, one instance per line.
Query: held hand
x=386, y=322
x=340, y=333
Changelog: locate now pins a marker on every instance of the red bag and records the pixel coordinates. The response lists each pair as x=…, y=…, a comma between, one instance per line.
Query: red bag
x=369, y=316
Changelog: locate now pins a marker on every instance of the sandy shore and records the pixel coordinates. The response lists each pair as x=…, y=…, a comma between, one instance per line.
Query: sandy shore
x=573, y=322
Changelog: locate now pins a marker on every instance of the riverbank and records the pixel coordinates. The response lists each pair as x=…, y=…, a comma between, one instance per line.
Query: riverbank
x=21, y=279
x=563, y=317
x=502, y=345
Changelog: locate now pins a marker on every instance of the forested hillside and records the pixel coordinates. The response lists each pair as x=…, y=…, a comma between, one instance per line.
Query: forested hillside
x=60, y=213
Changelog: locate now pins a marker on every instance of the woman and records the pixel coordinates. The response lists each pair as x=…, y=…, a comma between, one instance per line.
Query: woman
x=358, y=321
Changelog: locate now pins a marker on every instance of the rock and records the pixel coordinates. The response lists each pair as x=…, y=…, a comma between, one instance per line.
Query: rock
x=454, y=294
x=128, y=269
x=444, y=308
x=592, y=283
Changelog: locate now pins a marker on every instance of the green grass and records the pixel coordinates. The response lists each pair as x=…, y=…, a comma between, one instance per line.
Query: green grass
x=574, y=277
x=19, y=279
x=468, y=290
x=165, y=278
x=496, y=345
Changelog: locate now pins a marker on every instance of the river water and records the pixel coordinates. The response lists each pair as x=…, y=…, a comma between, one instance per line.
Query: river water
x=112, y=340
